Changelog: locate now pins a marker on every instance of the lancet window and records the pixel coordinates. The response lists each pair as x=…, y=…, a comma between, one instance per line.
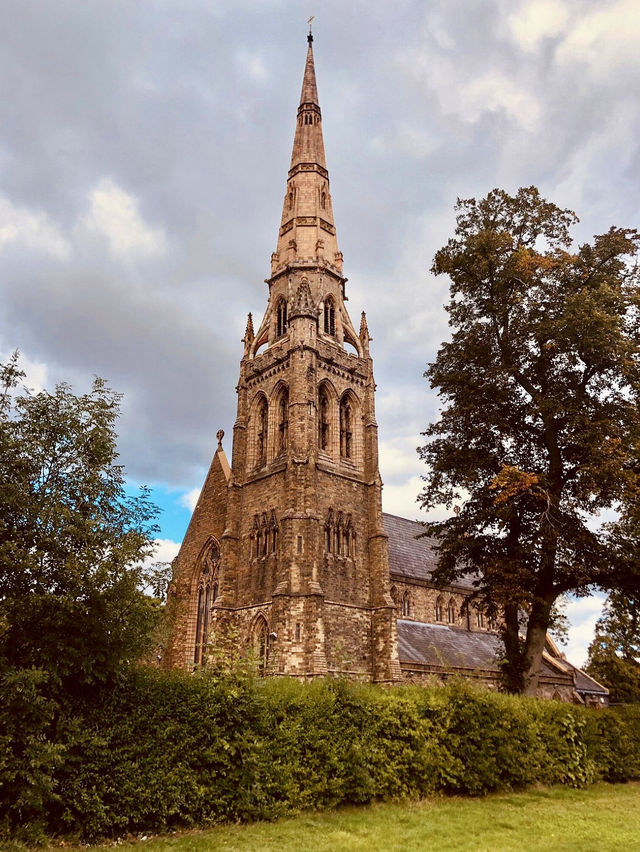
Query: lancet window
x=263, y=431
x=323, y=419
x=208, y=584
x=281, y=318
x=283, y=420
x=329, y=317
x=346, y=428
x=451, y=611
x=406, y=605
x=479, y=618
x=260, y=641
x=439, y=609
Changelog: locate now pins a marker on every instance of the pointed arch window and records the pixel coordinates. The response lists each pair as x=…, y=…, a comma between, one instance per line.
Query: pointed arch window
x=479, y=618
x=439, y=608
x=346, y=542
x=346, y=428
x=263, y=431
x=283, y=420
x=281, y=318
x=451, y=611
x=208, y=586
x=323, y=419
x=323, y=200
x=260, y=641
x=406, y=605
x=330, y=317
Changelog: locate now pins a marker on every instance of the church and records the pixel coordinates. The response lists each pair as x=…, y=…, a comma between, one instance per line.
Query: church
x=288, y=551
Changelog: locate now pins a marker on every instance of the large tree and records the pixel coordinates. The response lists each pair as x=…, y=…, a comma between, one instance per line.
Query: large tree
x=614, y=654
x=540, y=426
x=72, y=542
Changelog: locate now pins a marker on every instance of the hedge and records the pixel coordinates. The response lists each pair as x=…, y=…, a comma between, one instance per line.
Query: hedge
x=162, y=750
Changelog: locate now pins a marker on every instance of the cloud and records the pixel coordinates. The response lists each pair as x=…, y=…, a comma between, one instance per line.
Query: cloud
x=165, y=550
x=604, y=40
x=494, y=91
x=190, y=499
x=400, y=499
x=537, y=20
x=36, y=374
x=253, y=65
x=114, y=214
x=32, y=230
x=582, y=614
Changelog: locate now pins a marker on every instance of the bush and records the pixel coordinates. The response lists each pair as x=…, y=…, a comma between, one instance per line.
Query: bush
x=162, y=750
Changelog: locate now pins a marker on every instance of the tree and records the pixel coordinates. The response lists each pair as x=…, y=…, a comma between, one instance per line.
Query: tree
x=540, y=427
x=614, y=654
x=72, y=543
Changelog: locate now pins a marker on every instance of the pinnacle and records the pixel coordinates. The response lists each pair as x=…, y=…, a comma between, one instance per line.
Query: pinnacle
x=248, y=332
x=364, y=328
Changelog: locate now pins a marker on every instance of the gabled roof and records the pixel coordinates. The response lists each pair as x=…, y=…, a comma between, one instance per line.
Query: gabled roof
x=412, y=557
x=453, y=647
x=584, y=682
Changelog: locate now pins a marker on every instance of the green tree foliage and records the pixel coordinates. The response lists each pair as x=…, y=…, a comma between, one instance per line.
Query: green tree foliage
x=71, y=542
x=540, y=424
x=614, y=654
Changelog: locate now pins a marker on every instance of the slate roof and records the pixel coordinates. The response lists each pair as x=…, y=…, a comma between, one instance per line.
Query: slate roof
x=451, y=647
x=442, y=645
x=584, y=682
x=412, y=557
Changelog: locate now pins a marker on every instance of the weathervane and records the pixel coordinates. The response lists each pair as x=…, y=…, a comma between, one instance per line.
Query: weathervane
x=310, y=36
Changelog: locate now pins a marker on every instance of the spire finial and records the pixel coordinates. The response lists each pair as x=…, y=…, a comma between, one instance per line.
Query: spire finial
x=310, y=36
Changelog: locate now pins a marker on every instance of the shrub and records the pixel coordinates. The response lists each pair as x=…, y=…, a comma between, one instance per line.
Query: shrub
x=162, y=750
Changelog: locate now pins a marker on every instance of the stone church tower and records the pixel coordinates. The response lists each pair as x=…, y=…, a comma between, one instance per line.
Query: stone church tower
x=286, y=549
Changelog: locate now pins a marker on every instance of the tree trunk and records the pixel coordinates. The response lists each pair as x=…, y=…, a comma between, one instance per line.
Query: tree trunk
x=534, y=643
x=512, y=672
x=545, y=593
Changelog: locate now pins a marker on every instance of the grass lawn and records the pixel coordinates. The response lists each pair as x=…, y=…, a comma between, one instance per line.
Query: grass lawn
x=600, y=818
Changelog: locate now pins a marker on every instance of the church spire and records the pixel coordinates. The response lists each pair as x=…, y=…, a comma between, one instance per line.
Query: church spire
x=307, y=231
x=309, y=94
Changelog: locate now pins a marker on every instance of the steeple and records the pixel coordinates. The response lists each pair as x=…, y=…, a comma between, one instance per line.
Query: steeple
x=287, y=550
x=307, y=230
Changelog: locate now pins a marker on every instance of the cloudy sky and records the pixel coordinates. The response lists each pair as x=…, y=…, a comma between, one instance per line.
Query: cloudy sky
x=144, y=150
